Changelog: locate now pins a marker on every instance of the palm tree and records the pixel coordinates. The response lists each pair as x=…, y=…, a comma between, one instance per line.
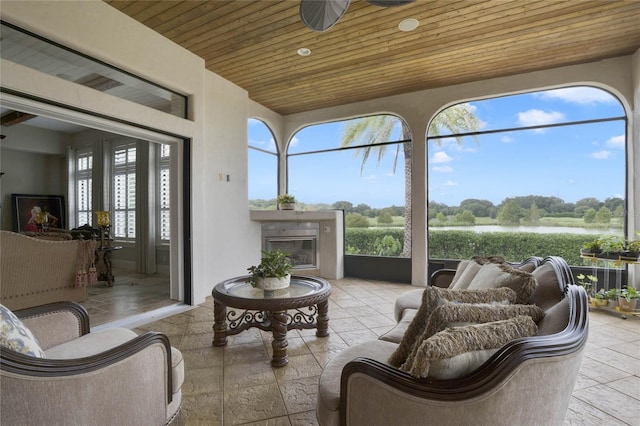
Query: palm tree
x=371, y=130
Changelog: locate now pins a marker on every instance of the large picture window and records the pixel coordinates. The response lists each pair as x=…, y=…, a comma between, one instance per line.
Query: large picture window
x=361, y=166
x=544, y=174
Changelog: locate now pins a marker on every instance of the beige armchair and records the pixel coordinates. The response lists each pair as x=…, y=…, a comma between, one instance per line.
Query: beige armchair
x=110, y=377
x=527, y=381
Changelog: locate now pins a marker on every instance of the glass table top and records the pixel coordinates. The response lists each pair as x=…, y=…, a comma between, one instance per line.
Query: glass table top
x=300, y=287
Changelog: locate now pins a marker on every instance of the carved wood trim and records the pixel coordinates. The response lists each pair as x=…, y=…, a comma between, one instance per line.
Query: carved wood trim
x=75, y=308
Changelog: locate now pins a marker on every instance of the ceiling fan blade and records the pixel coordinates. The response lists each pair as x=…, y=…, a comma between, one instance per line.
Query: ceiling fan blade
x=320, y=15
x=389, y=3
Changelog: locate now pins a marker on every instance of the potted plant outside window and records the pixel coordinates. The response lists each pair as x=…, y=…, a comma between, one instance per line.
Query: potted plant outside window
x=273, y=272
x=286, y=202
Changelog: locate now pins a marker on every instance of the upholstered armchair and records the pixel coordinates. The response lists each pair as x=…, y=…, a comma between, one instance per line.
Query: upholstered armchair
x=526, y=381
x=55, y=372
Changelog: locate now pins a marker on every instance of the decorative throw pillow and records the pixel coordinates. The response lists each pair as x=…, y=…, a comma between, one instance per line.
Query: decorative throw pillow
x=467, y=269
x=459, y=340
x=459, y=271
x=494, y=275
x=434, y=296
x=15, y=336
x=462, y=314
x=465, y=277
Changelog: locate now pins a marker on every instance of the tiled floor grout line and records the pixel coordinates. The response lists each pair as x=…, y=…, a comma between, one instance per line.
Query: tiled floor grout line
x=350, y=302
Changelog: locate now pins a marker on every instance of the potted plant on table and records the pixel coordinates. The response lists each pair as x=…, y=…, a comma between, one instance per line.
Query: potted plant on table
x=286, y=202
x=273, y=272
x=628, y=298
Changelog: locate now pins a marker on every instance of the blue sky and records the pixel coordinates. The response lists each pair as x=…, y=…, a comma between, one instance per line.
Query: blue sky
x=571, y=162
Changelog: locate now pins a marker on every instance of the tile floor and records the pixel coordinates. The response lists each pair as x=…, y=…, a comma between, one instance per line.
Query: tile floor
x=235, y=385
x=131, y=294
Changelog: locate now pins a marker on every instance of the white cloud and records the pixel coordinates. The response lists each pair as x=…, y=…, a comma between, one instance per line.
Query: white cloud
x=601, y=155
x=616, y=142
x=452, y=144
x=269, y=145
x=441, y=157
x=506, y=139
x=295, y=141
x=451, y=183
x=443, y=169
x=536, y=117
x=579, y=95
x=371, y=178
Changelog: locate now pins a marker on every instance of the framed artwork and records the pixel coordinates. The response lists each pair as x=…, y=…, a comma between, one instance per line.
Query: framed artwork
x=27, y=207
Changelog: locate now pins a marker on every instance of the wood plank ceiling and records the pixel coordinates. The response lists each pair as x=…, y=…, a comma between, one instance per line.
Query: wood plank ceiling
x=364, y=56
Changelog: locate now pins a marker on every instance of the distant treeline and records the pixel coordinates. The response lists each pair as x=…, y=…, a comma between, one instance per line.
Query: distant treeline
x=546, y=206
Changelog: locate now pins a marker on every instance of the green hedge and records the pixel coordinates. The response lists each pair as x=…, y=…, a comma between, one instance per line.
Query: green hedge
x=514, y=246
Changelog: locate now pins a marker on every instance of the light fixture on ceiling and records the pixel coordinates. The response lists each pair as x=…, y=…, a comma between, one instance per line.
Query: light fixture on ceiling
x=320, y=15
x=303, y=51
x=408, y=24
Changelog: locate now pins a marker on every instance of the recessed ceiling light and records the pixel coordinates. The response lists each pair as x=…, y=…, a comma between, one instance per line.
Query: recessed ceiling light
x=408, y=24
x=303, y=51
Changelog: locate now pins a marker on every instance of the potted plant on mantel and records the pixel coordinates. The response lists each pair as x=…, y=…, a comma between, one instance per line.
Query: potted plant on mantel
x=273, y=272
x=286, y=202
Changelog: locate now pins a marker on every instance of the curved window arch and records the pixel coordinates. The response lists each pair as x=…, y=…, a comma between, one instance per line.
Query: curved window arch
x=357, y=165
x=262, y=166
x=540, y=164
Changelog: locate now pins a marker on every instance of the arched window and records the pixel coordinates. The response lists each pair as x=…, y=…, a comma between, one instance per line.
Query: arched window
x=359, y=166
x=543, y=174
x=263, y=166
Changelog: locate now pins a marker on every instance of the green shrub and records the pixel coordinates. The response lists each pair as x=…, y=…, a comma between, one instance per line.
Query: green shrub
x=356, y=220
x=514, y=246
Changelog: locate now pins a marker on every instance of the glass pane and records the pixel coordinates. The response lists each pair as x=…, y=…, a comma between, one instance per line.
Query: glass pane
x=372, y=195
x=528, y=184
x=381, y=128
x=35, y=52
x=263, y=167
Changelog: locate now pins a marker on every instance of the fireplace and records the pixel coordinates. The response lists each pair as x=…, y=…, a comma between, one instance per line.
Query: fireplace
x=299, y=240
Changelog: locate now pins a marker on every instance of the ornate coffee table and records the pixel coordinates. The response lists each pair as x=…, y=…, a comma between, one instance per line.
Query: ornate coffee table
x=276, y=310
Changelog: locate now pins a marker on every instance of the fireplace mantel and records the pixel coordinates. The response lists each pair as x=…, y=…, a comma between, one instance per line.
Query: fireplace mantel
x=330, y=239
x=294, y=215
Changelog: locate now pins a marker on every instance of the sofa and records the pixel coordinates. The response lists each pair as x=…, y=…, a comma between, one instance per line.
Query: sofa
x=54, y=371
x=526, y=380
x=36, y=271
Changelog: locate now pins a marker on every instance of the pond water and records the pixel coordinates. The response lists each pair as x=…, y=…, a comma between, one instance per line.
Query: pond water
x=534, y=229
